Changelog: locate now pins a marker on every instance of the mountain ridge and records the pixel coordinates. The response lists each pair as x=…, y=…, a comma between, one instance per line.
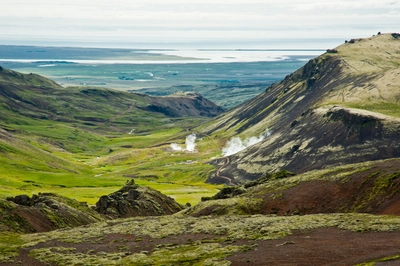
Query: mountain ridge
x=296, y=108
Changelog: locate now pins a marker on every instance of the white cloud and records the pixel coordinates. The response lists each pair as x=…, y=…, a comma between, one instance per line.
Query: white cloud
x=167, y=20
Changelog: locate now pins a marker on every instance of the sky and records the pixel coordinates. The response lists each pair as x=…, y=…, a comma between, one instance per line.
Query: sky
x=122, y=23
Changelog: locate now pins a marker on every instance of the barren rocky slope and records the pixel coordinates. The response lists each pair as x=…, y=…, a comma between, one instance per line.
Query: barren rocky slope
x=342, y=107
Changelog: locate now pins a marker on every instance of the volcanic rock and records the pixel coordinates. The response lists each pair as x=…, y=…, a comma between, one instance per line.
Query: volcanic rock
x=134, y=200
x=43, y=212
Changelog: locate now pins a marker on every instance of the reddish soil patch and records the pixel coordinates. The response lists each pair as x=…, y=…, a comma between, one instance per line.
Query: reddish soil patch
x=324, y=246
x=372, y=191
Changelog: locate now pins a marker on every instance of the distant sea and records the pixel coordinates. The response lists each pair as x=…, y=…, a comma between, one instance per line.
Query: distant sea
x=226, y=76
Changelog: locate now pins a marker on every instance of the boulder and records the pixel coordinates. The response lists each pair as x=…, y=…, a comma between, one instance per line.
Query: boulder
x=133, y=200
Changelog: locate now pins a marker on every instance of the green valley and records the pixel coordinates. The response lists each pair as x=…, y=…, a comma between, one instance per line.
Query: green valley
x=86, y=142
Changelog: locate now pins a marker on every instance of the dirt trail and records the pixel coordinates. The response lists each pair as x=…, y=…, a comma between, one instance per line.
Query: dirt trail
x=120, y=114
x=218, y=173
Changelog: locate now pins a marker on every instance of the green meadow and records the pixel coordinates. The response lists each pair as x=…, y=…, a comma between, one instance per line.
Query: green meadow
x=84, y=165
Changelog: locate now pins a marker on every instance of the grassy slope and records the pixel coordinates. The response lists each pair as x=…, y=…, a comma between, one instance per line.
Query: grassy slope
x=377, y=57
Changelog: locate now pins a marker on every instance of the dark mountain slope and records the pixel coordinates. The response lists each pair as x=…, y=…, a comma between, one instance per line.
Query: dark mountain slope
x=312, y=117
x=183, y=104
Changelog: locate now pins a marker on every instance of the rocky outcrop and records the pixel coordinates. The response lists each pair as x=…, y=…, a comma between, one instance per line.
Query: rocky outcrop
x=133, y=200
x=44, y=212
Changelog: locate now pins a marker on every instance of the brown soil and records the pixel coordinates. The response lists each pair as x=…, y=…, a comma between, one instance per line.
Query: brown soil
x=360, y=193
x=324, y=246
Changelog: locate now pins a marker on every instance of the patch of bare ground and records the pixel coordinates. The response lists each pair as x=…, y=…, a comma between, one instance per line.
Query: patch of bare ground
x=112, y=243
x=372, y=190
x=323, y=246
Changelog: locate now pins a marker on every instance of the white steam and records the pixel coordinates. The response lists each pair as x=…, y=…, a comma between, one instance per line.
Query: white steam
x=190, y=144
x=235, y=144
x=176, y=147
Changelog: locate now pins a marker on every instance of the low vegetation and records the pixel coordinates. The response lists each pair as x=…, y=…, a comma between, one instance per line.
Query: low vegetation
x=202, y=241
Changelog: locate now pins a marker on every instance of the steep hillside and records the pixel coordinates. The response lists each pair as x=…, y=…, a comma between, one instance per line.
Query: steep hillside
x=341, y=107
x=369, y=187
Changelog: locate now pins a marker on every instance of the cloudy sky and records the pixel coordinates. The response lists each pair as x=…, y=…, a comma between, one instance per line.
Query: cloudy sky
x=123, y=22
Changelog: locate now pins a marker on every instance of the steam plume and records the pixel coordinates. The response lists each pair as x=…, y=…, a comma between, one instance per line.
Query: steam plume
x=176, y=147
x=190, y=144
x=235, y=144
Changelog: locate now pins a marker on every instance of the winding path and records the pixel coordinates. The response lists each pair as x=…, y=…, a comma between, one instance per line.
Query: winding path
x=120, y=114
x=218, y=173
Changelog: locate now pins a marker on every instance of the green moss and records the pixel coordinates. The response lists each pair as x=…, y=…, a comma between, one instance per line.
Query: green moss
x=69, y=256
x=387, y=108
x=385, y=259
x=195, y=254
x=9, y=245
x=380, y=188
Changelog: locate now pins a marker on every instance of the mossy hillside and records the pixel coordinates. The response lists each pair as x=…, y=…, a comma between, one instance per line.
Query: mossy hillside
x=44, y=212
x=373, y=64
x=363, y=187
x=9, y=244
x=14, y=77
x=224, y=230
